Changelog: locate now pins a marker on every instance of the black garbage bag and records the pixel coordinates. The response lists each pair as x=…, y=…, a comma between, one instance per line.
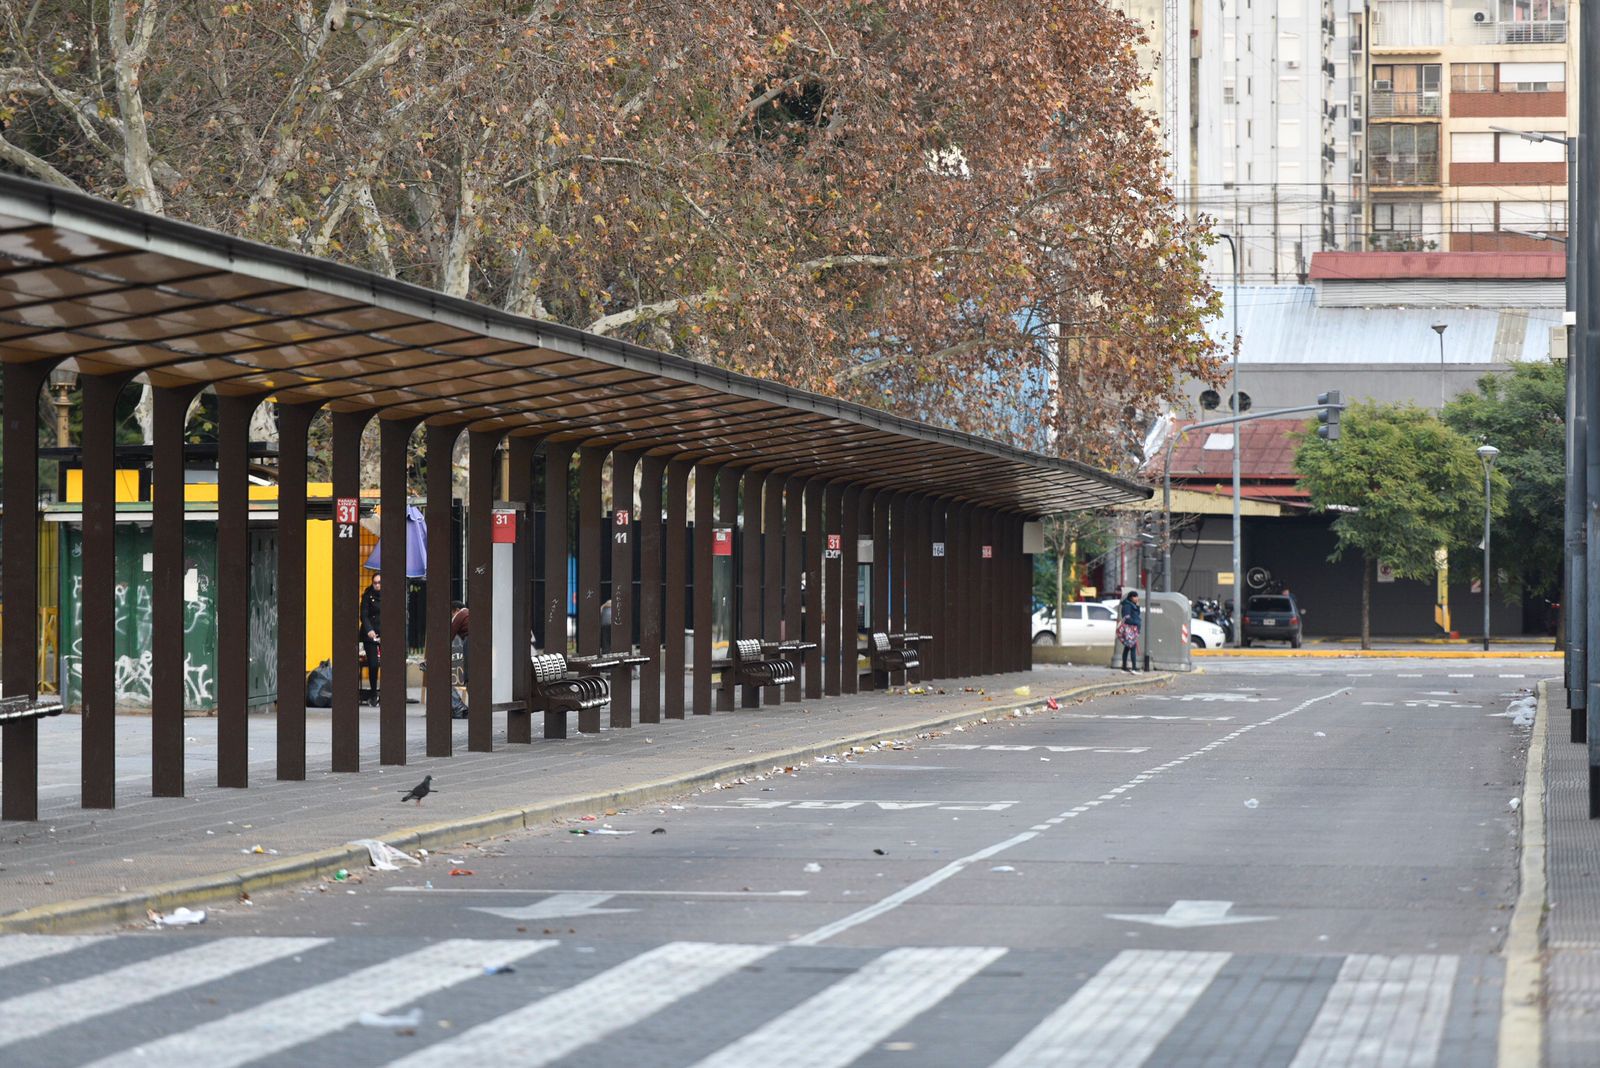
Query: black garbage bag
x=319, y=686
x=458, y=707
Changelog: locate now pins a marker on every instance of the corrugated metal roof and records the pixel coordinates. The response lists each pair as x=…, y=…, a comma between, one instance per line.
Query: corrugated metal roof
x=1266, y=452
x=1284, y=325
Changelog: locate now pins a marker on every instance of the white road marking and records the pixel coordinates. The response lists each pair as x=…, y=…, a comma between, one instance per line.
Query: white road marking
x=1120, y=1016
x=40, y=1011
x=610, y=893
x=1190, y=914
x=1513, y=676
x=1386, y=1012
x=928, y=882
x=554, y=906
x=18, y=948
x=841, y=1023
x=553, y=1027
x=1465, y=675
x=323, y=1008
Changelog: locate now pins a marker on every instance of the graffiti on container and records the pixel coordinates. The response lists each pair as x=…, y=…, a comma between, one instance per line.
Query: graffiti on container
x=135, y=624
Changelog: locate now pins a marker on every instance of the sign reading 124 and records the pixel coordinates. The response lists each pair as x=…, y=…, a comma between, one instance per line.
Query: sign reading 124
x=346, y=514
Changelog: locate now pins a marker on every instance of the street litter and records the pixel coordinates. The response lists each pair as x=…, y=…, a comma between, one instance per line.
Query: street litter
x=382, y=855
x=179, y=917
x=1252, y=803
x=1520, y=712
x=1514, y=804
x=1023, y=691
x=659, y=830
x=812, y=867
x=341, y=875
x=378, y=1019
x=498, y=969
x=1052, y=704
x=258, y=849
x=1320, y=734
x=462, y=871
x=881, y=852
x=588, y=819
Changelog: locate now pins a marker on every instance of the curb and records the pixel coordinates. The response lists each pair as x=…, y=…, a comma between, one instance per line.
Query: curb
x=1386, y=654
x=132, y=905
x=1521, y=999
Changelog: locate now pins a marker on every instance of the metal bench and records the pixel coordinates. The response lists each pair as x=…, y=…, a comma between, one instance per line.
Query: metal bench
x=895, y=652
x=15, y=709
x=562, y=684
x=752, y=663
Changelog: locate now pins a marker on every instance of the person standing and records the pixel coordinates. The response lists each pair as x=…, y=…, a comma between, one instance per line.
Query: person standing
x=1128, y=631
x=371, y=612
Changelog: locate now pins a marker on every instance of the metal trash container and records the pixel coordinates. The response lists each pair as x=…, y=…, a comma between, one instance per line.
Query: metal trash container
x=1166, y=633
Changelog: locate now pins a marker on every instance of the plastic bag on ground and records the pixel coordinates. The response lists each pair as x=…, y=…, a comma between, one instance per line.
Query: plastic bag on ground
x=179, y=917
x=382, y=855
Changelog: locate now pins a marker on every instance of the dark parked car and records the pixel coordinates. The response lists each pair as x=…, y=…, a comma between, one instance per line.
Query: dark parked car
x=1273, y=617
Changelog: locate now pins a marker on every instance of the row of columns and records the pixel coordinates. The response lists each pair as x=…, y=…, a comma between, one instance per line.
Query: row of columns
x=943, y=567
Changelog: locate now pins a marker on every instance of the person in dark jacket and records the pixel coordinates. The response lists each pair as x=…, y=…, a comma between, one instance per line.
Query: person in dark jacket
x=371, y=611
x=1128, y=631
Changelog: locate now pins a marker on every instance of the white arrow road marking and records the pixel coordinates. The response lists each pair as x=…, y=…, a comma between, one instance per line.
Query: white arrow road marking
x=1190, y=914
x=556, y=905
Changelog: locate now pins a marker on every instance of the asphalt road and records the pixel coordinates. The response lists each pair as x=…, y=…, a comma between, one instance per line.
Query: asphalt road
x=1275, y=862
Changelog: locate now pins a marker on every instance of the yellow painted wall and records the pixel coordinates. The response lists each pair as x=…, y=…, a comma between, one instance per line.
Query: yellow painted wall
x=319, y=592
x=127, y=485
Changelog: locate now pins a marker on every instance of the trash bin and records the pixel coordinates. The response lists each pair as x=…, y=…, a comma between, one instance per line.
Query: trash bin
x=1166, y=632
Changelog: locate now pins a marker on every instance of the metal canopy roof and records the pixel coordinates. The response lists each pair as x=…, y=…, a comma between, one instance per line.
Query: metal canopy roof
x=119, y=291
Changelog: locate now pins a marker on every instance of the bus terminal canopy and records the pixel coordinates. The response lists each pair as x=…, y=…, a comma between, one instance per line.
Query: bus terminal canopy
x=111, y=293
x=121, y=292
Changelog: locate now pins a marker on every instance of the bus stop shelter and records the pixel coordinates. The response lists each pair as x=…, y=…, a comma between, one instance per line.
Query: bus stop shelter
x=123, y=297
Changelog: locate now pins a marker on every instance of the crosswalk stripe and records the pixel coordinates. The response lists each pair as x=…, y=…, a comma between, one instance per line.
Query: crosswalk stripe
x=32, y=1014
x=842, y=1022
x=18, y=948
x=276, y=1025
x=1382, y=1012
x=1120, y=1016
x=593, y=1009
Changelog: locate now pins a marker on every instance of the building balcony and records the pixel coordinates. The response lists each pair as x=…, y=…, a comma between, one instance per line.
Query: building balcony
x=1404, y=170
x=1406, y=38
x=1390, y=105
x=1513, y=33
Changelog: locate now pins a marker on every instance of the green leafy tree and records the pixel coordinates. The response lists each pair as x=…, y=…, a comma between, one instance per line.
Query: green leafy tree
x=1523, y=414
x=1412, y=483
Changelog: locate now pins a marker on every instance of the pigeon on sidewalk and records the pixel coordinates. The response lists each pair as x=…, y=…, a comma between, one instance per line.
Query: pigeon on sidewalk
x=419, y=791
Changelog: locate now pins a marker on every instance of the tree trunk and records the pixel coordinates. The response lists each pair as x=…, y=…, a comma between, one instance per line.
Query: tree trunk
x=1366, y=601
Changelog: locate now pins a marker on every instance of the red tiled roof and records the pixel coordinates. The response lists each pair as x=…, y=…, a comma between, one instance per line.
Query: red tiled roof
x=1266, y=454
x=1512, y=266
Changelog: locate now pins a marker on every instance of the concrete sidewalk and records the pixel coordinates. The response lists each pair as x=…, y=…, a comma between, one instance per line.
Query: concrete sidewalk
x=76, y=867
x=1571, y=950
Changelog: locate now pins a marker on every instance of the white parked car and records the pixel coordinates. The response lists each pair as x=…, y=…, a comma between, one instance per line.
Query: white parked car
x=1203, y=634
x=1082, y=623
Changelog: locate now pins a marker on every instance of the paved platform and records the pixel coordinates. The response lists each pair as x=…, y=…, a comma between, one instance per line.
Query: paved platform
x=1572, y=918
x=76, y=866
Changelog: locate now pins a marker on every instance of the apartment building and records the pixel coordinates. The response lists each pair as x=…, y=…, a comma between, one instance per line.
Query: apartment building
x=1272, y=131
x=1433, y=170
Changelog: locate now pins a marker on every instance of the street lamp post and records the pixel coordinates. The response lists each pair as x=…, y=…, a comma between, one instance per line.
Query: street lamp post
x=1238, y=571
x=1440, y=328
x=1487, y=454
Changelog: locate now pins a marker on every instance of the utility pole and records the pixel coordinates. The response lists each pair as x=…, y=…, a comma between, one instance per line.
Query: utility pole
x=1587, y=234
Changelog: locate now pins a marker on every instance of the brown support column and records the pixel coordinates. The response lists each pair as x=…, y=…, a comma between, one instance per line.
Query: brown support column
x=557, y=468
x=19, y=573
x=938, y=655
x=591, y=462
x=850, y=625
x=98, y=599
x=816, y=541
x=677, y=585
x=959, y=570
x=622, y=606
x=728, y=480
x=394, y=440
x=917, y=576
x=793, y=567
x=519, y=462
x=772, y=569
x=832, y=631
x=990, y=590
x=481, y=478
x=294, y=421
x=882, y=605
x=650, y=472
x=590, y=530
x=899, y=546
x=441, y=444
x=347, y=427
x=1021, y=598
x=749, y=625
x=705, y=512
x=171, y=404
x=233, y=588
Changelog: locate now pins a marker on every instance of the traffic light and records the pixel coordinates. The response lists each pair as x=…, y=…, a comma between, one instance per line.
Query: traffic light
x=1329, y=416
